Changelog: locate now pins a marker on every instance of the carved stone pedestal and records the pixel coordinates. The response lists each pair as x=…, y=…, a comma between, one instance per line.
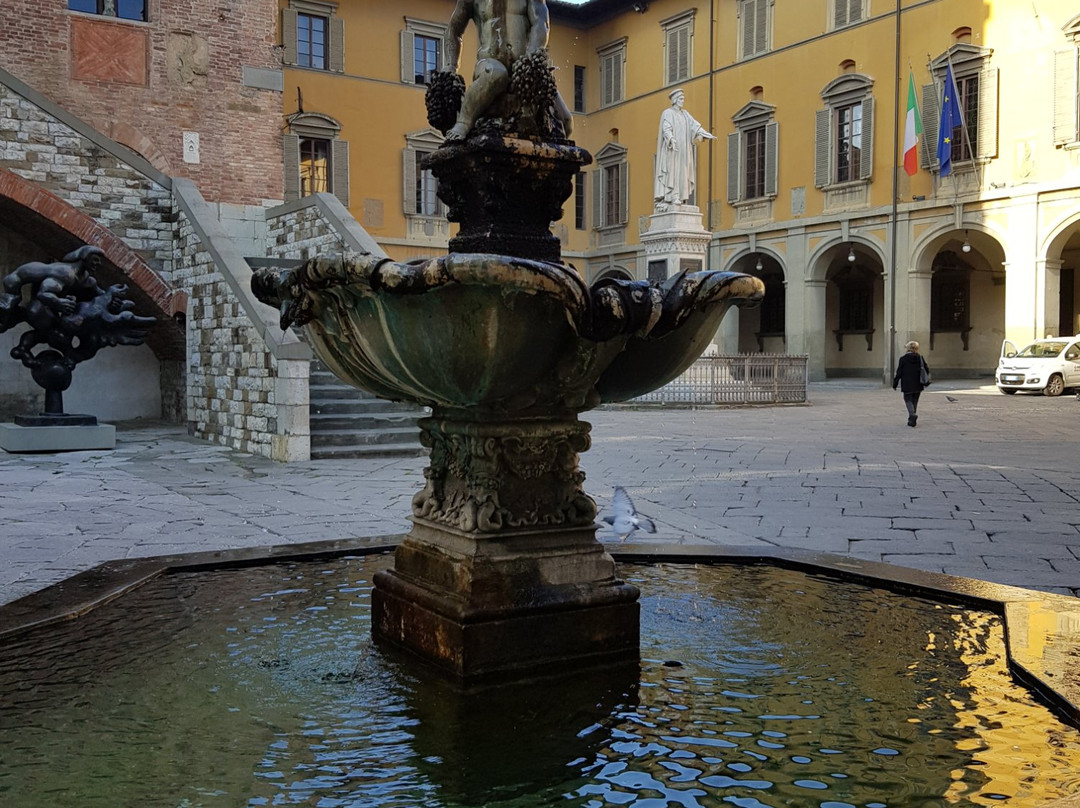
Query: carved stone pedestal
x=675, y=240
x=505, y=192
x=502, y=574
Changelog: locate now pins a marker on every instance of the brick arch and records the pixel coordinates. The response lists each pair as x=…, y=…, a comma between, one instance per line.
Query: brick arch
x=128, y=135
x=46, y=219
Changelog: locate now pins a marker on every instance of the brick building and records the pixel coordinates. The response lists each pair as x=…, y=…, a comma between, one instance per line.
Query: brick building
x=152, y=129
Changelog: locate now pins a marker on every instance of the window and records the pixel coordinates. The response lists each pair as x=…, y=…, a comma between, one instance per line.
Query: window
x=977, y=86
x=579, y=200
x=855, y=302
x=123, y=9
x=846, y=12
x=950, y=297
x=848, y=142
x=678, y=39
x=313, y=36
x=311, y=41
x=579, y=88
x=316, y=158
x=1067, y=87
x=419, y=186
x=612, y=61
x=314, y=166
x=421, y=50
x=610, y=188
x=844, y=132
x=755, y=23
x=752, y=153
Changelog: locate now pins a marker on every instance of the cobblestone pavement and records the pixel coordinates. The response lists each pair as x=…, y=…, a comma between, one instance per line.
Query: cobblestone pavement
x=986, y=486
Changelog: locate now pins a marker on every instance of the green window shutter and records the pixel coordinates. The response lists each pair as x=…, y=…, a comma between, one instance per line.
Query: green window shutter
x=605, y=77
x=988, y=113
x=930, y=116
x=684, y=53
x=337, y=45
x=408, y=68
x=772, y=152
x=340, y=159
x=408, y=181
x=617, y=77
x=291, y=147
x=671, y=67
x=624, y=192
x=1066, y=91
x=288, y=36
x=866, y=159
x=761, y=26
x=855, y=11
x=598, y=198
x=822, y=144
x=734, y=166
x=839, y=13
x=747, y=15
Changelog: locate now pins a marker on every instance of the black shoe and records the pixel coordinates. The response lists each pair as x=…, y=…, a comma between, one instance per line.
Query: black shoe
x=914, y=420
x=911, y=420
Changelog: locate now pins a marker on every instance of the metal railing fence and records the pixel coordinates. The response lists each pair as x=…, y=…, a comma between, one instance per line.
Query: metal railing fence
x=735, y=379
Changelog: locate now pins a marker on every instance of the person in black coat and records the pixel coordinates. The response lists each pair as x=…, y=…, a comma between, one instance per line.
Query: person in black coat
x=909, y=376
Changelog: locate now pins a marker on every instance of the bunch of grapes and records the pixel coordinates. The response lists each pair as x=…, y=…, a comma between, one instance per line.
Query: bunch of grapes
x=443, y=99
x=532, y=81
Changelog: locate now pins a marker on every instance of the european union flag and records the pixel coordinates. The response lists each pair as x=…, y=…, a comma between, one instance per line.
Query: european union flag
x=951, y=119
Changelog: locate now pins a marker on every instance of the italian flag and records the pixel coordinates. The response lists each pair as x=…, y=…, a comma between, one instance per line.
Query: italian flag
x=912, y=130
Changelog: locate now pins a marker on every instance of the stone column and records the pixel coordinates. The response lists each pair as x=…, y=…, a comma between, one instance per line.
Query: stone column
x=814, y=327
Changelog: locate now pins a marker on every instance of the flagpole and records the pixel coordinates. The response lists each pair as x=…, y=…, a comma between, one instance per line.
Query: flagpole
x=963, y=126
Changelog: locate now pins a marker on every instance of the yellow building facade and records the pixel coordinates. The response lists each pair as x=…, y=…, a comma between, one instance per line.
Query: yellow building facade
x=804, y=185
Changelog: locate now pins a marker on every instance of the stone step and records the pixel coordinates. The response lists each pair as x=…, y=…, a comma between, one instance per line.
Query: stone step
x=367, y=450
x=335, y=406
x=332, y=421
x=365, y=437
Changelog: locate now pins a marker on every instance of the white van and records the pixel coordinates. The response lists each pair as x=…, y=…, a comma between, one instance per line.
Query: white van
x=1050, y=365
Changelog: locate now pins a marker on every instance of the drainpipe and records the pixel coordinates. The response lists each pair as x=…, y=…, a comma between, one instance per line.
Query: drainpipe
x=890, y=353
x=712, y=80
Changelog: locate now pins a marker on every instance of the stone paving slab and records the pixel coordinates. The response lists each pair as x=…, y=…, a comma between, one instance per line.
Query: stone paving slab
x=986, y=486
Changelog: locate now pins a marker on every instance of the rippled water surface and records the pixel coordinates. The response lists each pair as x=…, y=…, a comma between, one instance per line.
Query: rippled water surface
x=757, y=688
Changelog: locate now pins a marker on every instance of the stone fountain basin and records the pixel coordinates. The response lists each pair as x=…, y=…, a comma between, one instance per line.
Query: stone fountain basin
x=495, y=334
x=1042, y=629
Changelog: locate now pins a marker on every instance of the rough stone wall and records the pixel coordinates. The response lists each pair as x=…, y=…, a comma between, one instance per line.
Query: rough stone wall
x=146, y=84
x=231, y=376
x=300, y=233
x=53, y=156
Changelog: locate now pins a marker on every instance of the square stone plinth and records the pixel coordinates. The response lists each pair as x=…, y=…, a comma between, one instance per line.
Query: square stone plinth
x=17, y=439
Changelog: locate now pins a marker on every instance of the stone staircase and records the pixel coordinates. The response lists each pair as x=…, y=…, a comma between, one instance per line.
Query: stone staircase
x=346, y=422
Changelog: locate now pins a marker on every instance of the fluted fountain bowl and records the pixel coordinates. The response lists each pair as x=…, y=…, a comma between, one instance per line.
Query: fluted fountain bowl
x=499, y=334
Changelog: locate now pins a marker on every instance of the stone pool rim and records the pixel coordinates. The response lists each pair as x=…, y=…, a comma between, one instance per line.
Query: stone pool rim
x=1047, y=679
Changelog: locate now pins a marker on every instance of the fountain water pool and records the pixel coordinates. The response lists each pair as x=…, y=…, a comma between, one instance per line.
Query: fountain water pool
x=260, y=686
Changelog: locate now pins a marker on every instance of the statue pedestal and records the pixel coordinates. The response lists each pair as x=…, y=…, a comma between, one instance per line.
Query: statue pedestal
x=502, y=575
x=15, y=438
x=675, y=240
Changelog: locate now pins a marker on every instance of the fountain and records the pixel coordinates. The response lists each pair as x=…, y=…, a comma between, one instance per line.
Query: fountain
x=501, y=574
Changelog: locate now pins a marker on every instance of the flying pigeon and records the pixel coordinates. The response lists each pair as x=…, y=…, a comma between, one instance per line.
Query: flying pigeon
x=625, y=519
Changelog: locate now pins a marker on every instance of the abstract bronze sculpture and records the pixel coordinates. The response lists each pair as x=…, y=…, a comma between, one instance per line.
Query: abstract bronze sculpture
x=66, y=309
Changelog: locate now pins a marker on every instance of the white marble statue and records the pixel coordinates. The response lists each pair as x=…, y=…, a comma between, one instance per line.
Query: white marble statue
x=675, y=169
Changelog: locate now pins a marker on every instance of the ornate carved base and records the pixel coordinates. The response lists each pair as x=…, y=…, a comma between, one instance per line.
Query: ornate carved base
x=502, y=575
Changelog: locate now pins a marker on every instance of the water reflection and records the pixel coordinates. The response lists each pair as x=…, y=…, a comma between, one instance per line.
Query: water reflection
x=757, y=687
